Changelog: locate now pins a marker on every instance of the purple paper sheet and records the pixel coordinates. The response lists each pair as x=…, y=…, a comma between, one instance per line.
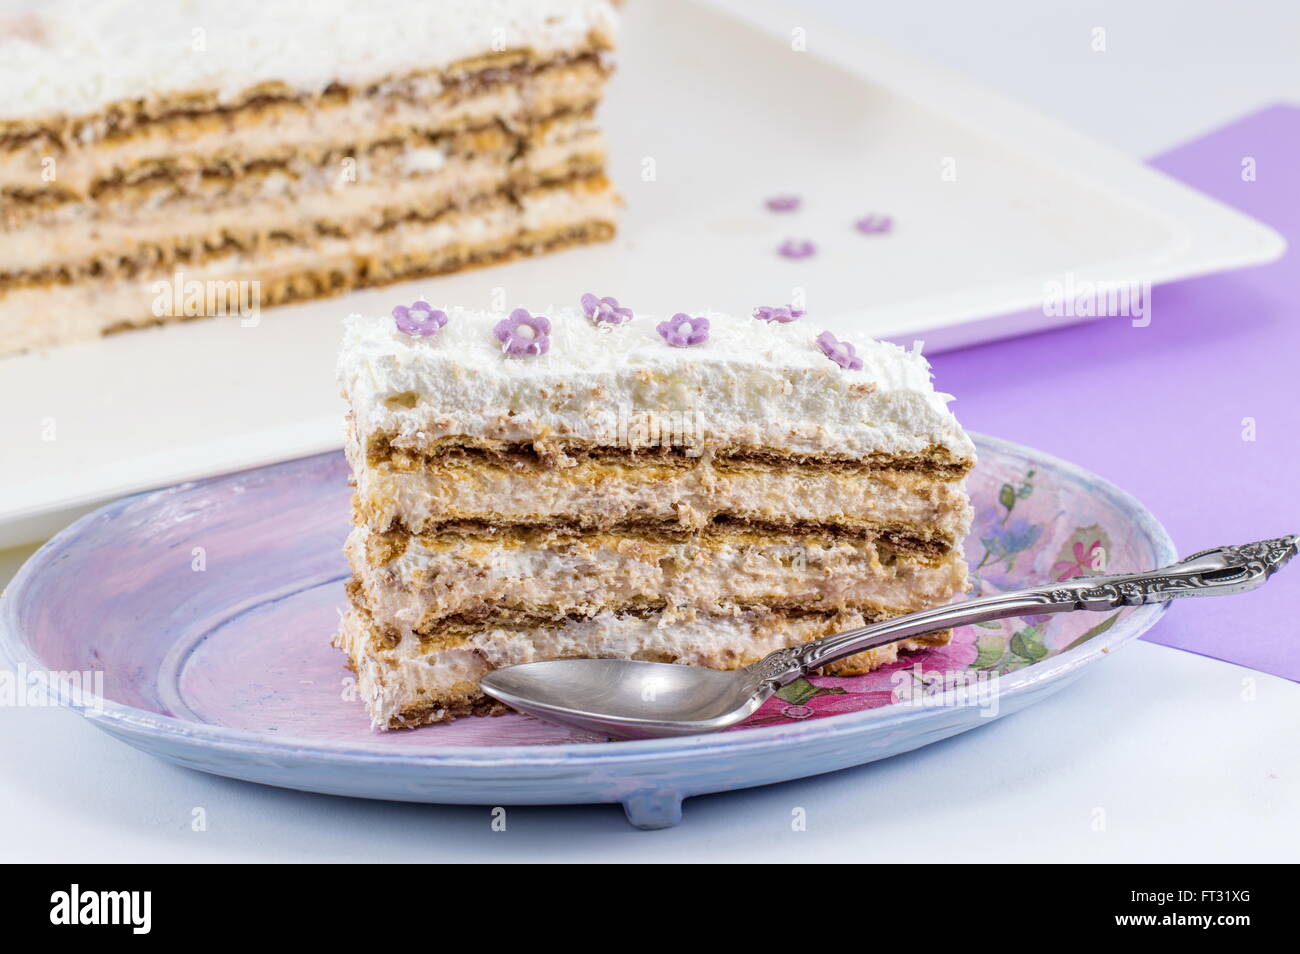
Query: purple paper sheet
x=1162, y=410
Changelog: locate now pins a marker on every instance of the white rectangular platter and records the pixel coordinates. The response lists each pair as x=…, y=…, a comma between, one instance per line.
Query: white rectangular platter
x=715, y=107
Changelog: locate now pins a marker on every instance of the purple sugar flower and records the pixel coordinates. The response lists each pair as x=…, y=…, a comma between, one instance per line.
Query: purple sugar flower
x=523, y=333
x=796, y=248
x=783, y=203
x=605, y=310
x=841, y=352
x=420, y=319
x=874, y=224
x=683, y=331
x=781, y=313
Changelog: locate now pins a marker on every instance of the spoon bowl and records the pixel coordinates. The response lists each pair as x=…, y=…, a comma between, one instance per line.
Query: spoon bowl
x=628, y=698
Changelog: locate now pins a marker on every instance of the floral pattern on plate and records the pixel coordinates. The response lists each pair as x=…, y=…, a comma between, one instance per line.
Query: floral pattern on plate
x=1028, y=529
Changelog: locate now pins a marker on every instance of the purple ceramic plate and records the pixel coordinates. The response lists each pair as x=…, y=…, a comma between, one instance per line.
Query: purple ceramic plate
x=208, y=609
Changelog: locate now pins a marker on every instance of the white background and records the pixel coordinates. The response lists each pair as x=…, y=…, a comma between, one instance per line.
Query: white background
x=1158, y=755
x=1171, y=70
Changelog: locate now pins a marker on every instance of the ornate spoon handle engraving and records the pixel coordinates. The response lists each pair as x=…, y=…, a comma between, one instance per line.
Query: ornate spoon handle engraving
x=1208, y=573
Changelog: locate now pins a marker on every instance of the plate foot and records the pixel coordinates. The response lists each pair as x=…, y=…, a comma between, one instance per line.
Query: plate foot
x=651, y=810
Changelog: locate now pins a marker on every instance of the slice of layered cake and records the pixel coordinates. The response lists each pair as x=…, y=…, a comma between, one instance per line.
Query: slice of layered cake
x=173, y=160
x=698, y=490
x=592, y=482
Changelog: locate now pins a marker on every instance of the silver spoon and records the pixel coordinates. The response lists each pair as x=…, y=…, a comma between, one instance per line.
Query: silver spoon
x=631, y=699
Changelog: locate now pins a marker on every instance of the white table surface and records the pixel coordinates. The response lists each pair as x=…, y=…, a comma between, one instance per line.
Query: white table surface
x=1157, y=755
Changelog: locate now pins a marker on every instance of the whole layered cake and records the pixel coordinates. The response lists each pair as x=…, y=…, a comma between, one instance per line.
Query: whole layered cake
x=697, y=489
x=168, y=160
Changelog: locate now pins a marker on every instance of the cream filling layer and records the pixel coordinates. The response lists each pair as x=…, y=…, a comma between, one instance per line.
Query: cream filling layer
x=344, y=204
x=553, y=574
x=536, y=149
x=599, y=494
x=412, y=677
x=283, y=129
x=41, y=316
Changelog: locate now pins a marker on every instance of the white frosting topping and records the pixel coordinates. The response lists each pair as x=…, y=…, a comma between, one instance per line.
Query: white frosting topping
x=752, y=385
x=69, y=57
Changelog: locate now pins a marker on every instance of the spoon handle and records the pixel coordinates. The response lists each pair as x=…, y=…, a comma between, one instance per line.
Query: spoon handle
x=1208, y=573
